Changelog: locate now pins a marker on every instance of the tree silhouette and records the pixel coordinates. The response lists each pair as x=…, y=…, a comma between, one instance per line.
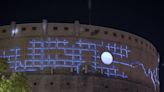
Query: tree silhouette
x=14, y=82
x=4, y=67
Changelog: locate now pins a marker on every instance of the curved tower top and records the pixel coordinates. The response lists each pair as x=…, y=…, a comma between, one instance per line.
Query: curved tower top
x=74, y=50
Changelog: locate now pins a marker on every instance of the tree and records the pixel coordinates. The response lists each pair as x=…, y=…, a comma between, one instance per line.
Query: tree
x=19, y=82
x=5, y=85
x=15, y=82
x=4, y=67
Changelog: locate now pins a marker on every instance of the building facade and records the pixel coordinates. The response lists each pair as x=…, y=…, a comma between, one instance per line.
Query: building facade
x=73, y=57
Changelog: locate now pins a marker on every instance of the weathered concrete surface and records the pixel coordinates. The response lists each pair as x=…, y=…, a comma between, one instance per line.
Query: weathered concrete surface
x=77, y=83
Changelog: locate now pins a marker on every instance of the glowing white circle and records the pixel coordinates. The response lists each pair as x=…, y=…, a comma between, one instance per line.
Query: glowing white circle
x=107, y=58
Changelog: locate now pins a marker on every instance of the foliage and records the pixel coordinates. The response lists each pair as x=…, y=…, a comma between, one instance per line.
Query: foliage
x=5, y=85
x=15, y=82
x=4, y=67
x=19, y=82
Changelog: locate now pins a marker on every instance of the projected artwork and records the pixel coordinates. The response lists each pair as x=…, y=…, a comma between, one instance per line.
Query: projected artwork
x=60, y=53
x=107, y=58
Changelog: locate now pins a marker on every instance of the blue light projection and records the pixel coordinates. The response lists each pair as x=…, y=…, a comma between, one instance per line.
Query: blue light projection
x=153, y=74
x=60, y=53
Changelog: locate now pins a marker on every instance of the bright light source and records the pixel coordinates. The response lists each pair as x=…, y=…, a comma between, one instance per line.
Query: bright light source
x=106, y=58
x=14, y=31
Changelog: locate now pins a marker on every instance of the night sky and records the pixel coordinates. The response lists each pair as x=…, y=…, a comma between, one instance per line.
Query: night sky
x=141, y=17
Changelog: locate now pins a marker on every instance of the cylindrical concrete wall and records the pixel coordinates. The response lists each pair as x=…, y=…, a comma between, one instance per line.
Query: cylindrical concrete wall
x=54, y=53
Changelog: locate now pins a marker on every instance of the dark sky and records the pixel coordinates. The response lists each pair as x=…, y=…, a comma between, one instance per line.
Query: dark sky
x=142, y=17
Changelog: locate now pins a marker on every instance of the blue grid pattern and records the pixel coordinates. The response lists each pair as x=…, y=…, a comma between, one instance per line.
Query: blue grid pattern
x=60, y=53
x=39, y=55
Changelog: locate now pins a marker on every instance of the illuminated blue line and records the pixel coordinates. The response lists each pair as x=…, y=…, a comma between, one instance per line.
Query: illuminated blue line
x=81, y=46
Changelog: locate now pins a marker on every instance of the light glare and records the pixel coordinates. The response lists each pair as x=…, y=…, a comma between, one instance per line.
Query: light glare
x=106, y=58
x=14, y=31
